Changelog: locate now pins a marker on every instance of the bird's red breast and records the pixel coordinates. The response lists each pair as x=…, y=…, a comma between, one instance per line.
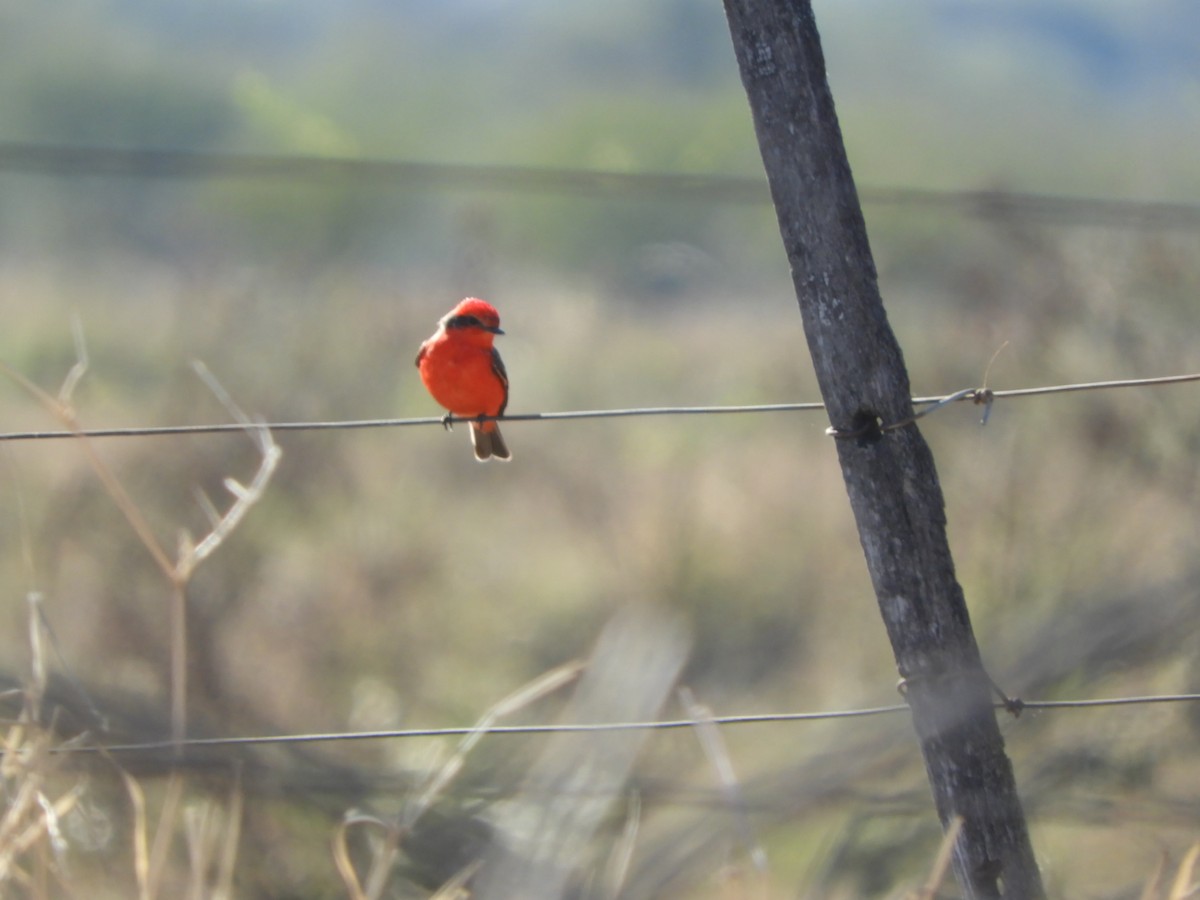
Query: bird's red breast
x=459, y=365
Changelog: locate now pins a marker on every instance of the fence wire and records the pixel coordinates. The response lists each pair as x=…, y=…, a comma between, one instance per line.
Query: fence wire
x=601, y=727
x=64, y=161
x=979, y=396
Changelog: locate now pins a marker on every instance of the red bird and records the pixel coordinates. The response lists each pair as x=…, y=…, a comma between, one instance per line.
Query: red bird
x=464, y=373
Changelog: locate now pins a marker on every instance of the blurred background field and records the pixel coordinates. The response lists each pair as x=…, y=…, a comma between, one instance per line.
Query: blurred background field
x=386, y=580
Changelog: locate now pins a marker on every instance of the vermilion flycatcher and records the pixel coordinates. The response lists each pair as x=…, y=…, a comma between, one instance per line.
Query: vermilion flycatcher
x=465, y=374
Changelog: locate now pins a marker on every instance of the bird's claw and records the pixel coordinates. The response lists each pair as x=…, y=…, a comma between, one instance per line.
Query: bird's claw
x=448, y=422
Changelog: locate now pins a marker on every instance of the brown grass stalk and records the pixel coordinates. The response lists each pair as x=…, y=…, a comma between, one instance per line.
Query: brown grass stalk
x=190, y=553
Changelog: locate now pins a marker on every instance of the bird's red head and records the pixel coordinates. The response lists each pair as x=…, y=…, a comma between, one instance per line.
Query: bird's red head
x=474, y=313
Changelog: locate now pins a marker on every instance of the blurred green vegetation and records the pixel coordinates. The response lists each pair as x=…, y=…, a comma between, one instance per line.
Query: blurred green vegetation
x=928, y=95
x=388, y=580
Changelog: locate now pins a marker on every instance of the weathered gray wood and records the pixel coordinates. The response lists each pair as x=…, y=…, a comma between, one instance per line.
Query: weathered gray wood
x=889, y=474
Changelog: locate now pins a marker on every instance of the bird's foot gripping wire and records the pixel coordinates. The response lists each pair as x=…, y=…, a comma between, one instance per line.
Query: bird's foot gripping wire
x=448, y=421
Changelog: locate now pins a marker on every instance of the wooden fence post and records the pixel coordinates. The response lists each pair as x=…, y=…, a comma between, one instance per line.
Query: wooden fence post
x=889, y=471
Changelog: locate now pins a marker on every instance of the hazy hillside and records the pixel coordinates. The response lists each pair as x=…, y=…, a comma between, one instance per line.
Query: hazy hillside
x=1062, y=97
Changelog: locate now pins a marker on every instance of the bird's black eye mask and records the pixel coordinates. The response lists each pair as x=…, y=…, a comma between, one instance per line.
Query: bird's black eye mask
x=471, y=322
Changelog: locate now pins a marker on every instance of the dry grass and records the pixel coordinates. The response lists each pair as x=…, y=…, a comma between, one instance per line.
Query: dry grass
x=385, y=579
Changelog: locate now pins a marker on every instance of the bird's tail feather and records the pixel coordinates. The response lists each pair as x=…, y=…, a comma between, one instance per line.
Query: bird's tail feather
x=488, y=444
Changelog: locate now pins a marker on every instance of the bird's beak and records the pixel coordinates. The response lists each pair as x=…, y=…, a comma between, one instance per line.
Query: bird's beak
x=494, y=330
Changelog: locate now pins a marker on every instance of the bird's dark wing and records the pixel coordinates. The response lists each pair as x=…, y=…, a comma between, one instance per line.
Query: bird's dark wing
x=498, y=368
